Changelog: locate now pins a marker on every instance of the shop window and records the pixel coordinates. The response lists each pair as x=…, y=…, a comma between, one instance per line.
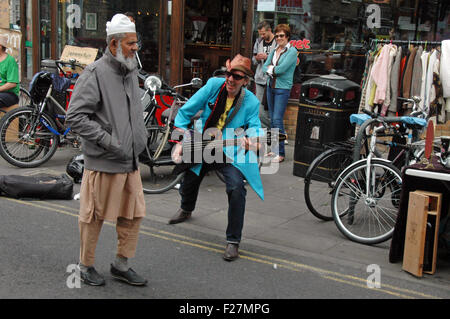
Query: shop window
x=83, y=23
x=340, y=32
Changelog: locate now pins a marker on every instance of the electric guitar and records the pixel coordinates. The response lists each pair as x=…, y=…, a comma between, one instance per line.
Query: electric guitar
x=197, y=150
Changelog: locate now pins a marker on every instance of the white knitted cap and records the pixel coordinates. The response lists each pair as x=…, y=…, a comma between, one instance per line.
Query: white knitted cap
x=120, y=23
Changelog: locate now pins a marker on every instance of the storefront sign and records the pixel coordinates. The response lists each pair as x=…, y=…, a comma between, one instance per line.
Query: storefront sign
x=83, y=56
x=290, y=6
x=300, y=44
x=4, y=13
x=266, y=5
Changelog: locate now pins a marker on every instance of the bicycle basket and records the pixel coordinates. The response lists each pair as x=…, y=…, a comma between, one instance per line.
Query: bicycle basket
x=39, y=86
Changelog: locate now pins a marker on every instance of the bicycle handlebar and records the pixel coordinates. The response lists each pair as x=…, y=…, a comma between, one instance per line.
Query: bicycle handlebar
x=71, y=63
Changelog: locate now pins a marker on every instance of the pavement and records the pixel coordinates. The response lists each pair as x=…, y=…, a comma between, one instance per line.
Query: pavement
x=281, y=222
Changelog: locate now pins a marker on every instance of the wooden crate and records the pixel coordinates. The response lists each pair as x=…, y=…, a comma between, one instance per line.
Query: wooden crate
x=13, y=129
x=422, y=229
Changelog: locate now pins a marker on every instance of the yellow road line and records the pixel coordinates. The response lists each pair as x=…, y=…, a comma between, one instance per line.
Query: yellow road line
x=244, y=254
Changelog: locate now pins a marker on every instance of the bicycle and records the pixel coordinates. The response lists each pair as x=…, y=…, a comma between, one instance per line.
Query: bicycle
x=160, y=176
x=30, y=135
x=322, y=173
x=366, y=196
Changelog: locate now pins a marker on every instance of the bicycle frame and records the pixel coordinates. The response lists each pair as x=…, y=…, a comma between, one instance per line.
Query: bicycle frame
x=42, y=109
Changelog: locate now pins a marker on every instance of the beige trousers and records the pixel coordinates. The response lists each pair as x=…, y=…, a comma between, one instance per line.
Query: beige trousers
x=113, y=197
x=127, y=235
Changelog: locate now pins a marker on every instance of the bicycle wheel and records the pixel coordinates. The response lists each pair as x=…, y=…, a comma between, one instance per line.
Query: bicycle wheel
x=157, y=171
x=320, y=180
x=367, y=217
x=24, y=140
x=157, y=179
x=153, y=130
x=24, y=97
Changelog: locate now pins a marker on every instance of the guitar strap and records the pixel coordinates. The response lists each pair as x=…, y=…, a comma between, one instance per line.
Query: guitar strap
x=236, y=107
x=219, y=107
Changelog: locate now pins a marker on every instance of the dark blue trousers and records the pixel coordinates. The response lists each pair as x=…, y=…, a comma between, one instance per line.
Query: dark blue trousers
x=235, y=190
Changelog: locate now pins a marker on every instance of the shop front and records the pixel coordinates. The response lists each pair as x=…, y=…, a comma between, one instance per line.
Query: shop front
x=334, y=36
x=82, y=23
x=185, y=38
x=175, y=36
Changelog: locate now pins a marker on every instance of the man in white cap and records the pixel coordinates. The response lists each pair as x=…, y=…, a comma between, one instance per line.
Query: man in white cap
x=105, y=110
x=9, y=76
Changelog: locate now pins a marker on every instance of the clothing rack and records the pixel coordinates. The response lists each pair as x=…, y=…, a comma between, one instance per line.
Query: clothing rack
x=372, y=41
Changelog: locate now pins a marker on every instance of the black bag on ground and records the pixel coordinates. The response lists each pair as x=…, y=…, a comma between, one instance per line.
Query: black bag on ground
x=41, y=186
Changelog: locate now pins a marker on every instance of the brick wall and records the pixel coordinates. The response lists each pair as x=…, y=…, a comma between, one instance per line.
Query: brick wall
x=290, y=119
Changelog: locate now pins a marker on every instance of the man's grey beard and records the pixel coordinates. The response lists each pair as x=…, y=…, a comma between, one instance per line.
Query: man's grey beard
x=129, y=63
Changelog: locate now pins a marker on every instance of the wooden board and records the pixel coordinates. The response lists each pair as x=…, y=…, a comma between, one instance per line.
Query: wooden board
x=82, y=55
x=434, y=208
x=421, y=241
x=13, y=129
x=415, y=234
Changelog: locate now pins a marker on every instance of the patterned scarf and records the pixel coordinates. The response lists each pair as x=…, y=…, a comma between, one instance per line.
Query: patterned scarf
x=219, y=107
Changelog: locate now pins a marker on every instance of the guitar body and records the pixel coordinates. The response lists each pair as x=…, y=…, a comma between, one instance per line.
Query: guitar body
x=198, y=149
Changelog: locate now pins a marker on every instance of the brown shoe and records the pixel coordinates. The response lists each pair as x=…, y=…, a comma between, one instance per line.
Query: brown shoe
x=231, y=252
x=180, y=217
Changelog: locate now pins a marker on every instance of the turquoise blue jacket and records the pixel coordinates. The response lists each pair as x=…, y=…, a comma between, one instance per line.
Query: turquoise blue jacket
x=284, y=69
x=247, y=117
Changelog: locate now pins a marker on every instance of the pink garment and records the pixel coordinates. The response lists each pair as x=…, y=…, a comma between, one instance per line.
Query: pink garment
x=380, y=74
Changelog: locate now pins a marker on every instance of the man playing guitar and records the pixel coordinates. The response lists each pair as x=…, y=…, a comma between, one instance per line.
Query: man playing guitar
x=222, y=99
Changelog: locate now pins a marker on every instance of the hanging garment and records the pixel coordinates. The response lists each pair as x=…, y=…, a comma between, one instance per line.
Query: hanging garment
x=407, y=78
x=379, y=74
x=387, y=101
x=429, y=77
x=371, y=86
x=445, y=68
x=417, y=73
x=395, y=73
x=403, y=65
x=424, y=58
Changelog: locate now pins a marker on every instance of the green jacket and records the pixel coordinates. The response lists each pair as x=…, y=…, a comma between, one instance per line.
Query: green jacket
x=283, y=72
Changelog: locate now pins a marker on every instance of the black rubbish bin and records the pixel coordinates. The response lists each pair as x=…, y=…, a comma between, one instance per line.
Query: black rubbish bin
x=326, y=104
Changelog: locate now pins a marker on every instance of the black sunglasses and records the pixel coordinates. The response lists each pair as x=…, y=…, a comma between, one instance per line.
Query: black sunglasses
x=237, y=77
x=280, y=36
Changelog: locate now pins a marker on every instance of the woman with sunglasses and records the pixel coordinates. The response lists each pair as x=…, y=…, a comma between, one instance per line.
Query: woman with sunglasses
x=280, y=66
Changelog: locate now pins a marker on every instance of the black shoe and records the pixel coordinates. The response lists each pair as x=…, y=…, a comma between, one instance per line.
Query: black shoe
x=91, y=277
x=180, y=217
x=129, y=276
x=231, y=252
